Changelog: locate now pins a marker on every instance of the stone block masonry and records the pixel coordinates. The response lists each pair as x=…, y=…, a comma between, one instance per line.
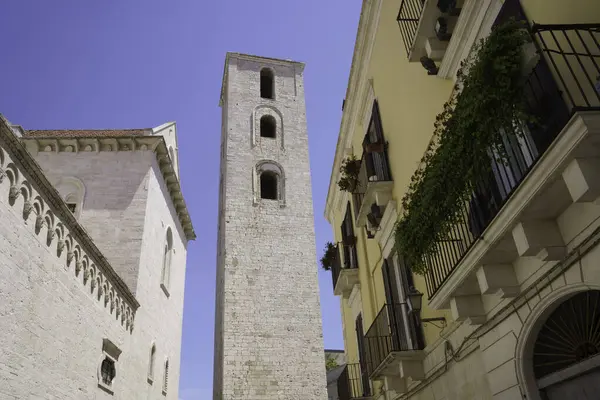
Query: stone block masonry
x=268, y=336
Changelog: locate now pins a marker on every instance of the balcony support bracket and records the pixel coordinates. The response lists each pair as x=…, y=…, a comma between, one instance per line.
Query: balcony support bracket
x=498, y=279
x=468, y=308
x=582, y=177
x=539, y=238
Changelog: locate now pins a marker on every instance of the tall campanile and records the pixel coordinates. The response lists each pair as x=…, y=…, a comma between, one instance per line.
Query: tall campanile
x=268, y=333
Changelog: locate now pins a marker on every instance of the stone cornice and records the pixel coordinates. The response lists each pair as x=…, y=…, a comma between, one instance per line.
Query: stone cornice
x=43, y=205
x=124, y=143
x=365, y=38
x=276, y=61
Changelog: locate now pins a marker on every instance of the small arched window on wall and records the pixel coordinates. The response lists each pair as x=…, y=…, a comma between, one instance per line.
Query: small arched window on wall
x=72, y=192
x=166, y=377
x=267, y=84
x=268, y=126
x=165, y=279
x=151, y=363
x=269, y=182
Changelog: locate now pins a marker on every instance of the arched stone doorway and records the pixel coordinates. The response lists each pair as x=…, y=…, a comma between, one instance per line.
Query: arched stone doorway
x=565, y=353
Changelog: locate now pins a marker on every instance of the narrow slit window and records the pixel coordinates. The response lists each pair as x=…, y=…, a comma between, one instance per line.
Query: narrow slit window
x=268, y=185
x=266, y=83
x=268, y=126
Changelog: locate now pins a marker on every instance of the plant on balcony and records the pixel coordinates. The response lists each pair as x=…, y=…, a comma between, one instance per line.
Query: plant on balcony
x=329, y=256
x=349, y=170
x=330, y=363
x=487, y=99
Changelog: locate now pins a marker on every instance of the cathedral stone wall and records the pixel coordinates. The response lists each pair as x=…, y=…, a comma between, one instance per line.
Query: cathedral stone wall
x=269, y=341
x=57, y=311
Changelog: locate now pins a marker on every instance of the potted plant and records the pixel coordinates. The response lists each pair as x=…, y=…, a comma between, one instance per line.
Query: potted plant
x=349, y=170
x=329, y=256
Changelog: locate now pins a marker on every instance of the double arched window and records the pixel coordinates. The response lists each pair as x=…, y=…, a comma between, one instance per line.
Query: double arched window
x=165, y=279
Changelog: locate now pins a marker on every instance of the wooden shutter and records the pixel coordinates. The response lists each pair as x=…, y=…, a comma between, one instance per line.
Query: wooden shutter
x=362, y=355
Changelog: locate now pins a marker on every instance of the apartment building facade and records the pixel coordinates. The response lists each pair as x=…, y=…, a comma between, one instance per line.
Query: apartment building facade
x=499, y=298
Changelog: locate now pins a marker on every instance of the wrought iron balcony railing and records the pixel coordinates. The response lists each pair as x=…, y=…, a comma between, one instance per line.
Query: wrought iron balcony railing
x=408, y=21
x=349, y=260
x=564, y=79
x=352, y=383
x=374, y=167
x=394, y=329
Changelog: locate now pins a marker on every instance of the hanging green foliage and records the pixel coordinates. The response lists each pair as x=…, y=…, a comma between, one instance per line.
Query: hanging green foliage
x=349, y=170
x=488, y=99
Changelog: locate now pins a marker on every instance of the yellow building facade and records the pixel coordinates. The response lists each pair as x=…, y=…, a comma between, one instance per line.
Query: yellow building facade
x=474, y=323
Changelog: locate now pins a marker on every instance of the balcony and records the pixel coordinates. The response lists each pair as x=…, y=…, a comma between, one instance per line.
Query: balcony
x=426, y=26
x=344, y=273
x=353, y=384
x=374, y=188
x=550, y=160
x=393, y=346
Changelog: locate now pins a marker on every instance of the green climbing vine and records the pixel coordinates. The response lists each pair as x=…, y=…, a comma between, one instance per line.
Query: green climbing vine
x=488, y=99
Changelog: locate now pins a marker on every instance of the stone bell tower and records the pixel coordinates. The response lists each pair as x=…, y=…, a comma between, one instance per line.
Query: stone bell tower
x=268, y=333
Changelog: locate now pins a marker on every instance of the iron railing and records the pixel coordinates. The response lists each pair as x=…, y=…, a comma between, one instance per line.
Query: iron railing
x=349, y=261
x=351, y=385
x=374, y=167
x=408, y=21
x=394, y=329
x=336, y=267
x=564, y=79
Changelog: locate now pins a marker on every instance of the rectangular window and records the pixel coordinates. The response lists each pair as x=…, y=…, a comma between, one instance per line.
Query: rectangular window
x=349, y=240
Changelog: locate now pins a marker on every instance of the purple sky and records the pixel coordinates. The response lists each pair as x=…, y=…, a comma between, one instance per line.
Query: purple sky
x=138, y=64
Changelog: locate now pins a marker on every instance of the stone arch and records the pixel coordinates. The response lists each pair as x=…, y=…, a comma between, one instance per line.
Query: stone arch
x=271, y=170
x=267, y=83
x=530, y=330
x=267, y=110
x=12, y=173
x=72, y=191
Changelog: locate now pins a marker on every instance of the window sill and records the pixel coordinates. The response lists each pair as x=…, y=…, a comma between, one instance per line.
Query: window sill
x=106, y=388
x=164, y=289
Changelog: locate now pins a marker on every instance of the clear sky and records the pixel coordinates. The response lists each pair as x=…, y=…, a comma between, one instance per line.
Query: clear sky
x=139, y=63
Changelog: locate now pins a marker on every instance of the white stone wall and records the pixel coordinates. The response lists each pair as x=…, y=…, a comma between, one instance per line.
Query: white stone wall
x=54, y=324
x=270, y=345
x=114, y=206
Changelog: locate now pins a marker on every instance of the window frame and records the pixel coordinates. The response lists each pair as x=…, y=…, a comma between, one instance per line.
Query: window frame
x=111, y=353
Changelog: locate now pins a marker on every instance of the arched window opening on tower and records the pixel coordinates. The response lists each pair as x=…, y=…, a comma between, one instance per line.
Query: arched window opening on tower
x=266, y=84
x=268, y=126
x=268, y=185
x=166, y=267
